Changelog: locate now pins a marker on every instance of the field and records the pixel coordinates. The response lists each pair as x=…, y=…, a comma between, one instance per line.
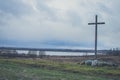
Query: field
x=50, y=69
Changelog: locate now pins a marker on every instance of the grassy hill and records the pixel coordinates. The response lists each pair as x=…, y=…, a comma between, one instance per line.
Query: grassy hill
x=40, y=69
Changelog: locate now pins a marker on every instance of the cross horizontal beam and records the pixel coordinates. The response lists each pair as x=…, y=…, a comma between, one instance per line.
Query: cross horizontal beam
x=97, y=23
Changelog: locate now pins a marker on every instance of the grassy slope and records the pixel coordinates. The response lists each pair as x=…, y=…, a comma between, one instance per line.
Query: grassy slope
x=28, y=69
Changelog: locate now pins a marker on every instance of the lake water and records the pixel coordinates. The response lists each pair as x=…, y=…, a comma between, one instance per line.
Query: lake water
x=62, y=53
x=68, y=53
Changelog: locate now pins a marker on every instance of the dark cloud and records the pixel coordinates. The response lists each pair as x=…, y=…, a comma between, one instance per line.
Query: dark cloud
x=14, y=7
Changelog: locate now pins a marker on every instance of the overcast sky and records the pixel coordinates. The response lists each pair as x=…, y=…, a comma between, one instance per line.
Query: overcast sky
x=59, y=23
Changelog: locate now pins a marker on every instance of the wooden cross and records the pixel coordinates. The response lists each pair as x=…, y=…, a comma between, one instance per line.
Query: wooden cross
x=96, y=24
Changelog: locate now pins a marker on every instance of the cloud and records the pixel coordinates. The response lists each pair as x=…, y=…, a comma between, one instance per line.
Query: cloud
x=59, y=22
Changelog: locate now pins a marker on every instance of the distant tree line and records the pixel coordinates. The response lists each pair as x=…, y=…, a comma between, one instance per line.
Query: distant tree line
x=113, y=52
x=14, y=53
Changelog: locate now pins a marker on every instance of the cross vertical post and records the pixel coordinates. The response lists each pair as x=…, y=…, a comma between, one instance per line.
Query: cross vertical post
x=96, y=37
x=96, y=26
